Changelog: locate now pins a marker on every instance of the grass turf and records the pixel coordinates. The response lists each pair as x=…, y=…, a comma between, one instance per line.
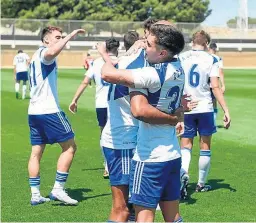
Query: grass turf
x=232, y=173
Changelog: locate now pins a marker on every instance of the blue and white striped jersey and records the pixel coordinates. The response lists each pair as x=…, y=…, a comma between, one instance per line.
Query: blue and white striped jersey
x=21, y=61
x=120, y=131
x=199, y=66
x=163, y=84
x=43, y=83
x=94, y=72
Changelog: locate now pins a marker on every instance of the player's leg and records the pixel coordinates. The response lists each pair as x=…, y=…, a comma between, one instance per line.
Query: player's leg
x=24, y=86
x=171, y=194
x=17, y=85
x=119, y=211
x=24, y=89
x=204, y=163
x=63, y=166
x=38, y=141
x=206, y=128
x=144, y=214
x=34, y=174
x=58, y=130
x=190, y=122
x=118, y=162
x=147, y=181
x=102, y=120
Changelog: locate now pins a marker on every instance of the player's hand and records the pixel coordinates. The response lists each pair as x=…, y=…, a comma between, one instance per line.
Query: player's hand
x=223, y=88
x=226, y=120
x=180, y=114
x=187, y=103
x=73, y=107
x=139, y=44
x=101, y=47
x=180, y=129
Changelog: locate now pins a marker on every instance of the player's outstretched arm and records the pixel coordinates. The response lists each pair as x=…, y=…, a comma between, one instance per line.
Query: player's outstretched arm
x=221, y=100
x=145, y=112
x=54, y=51
x=79, y=92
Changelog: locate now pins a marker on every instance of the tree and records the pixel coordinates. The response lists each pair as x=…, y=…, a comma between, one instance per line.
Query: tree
x=232, y=22
x=108, y=10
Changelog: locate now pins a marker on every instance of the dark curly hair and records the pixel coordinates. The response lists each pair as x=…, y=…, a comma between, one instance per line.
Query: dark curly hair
x=168, y=37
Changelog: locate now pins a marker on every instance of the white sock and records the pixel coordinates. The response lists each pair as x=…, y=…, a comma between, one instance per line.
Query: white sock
x=24, y=88
x=185, y=159
x=204, y=166
x=34, y=183
x=106, y=166
x=105, y=161
x=17, y=87
x=35, y=190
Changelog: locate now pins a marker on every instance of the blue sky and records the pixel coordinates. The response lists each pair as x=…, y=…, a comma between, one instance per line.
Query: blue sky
x=223, y=10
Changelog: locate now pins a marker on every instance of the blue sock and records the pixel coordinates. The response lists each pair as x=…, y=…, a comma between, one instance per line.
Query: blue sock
x=61, y=178
x=34, y=183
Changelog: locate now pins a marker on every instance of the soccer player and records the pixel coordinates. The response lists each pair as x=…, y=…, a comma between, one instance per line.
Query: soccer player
x=129, y=39
x=94, y=72
x=155, y=168
x=88, y=62
x=212, y=51
x=20, y=63
x=147, y=24
x=48, y=123
x=201, y=71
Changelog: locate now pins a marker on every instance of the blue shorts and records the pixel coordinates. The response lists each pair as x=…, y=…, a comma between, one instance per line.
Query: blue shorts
x=154, y=182
x=201, y=122
x=119, y=162
x=102, y=114
x=22, y=76
x=49, y=128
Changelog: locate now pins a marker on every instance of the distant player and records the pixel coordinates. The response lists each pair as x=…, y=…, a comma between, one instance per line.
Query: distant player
x=147, y=24
x=155, y=168
x=20, y=63
x=94, y=72
x=201, y=70
x=48, y=123
x=88, y=62
x=213, y=51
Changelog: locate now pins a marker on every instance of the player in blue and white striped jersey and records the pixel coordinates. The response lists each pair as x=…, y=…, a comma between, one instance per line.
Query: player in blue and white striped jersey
x=20, y=63
x=102, y=87
x=48, y=123
x=201, y=70
x=155, y=170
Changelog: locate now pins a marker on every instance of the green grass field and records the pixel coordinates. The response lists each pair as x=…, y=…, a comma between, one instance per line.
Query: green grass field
x=232, y=174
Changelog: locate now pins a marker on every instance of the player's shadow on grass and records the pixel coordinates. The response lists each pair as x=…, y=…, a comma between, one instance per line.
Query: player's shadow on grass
x=79, y=194
x=216, y=184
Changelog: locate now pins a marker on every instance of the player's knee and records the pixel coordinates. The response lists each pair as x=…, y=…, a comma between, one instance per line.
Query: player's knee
x=122, y=210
